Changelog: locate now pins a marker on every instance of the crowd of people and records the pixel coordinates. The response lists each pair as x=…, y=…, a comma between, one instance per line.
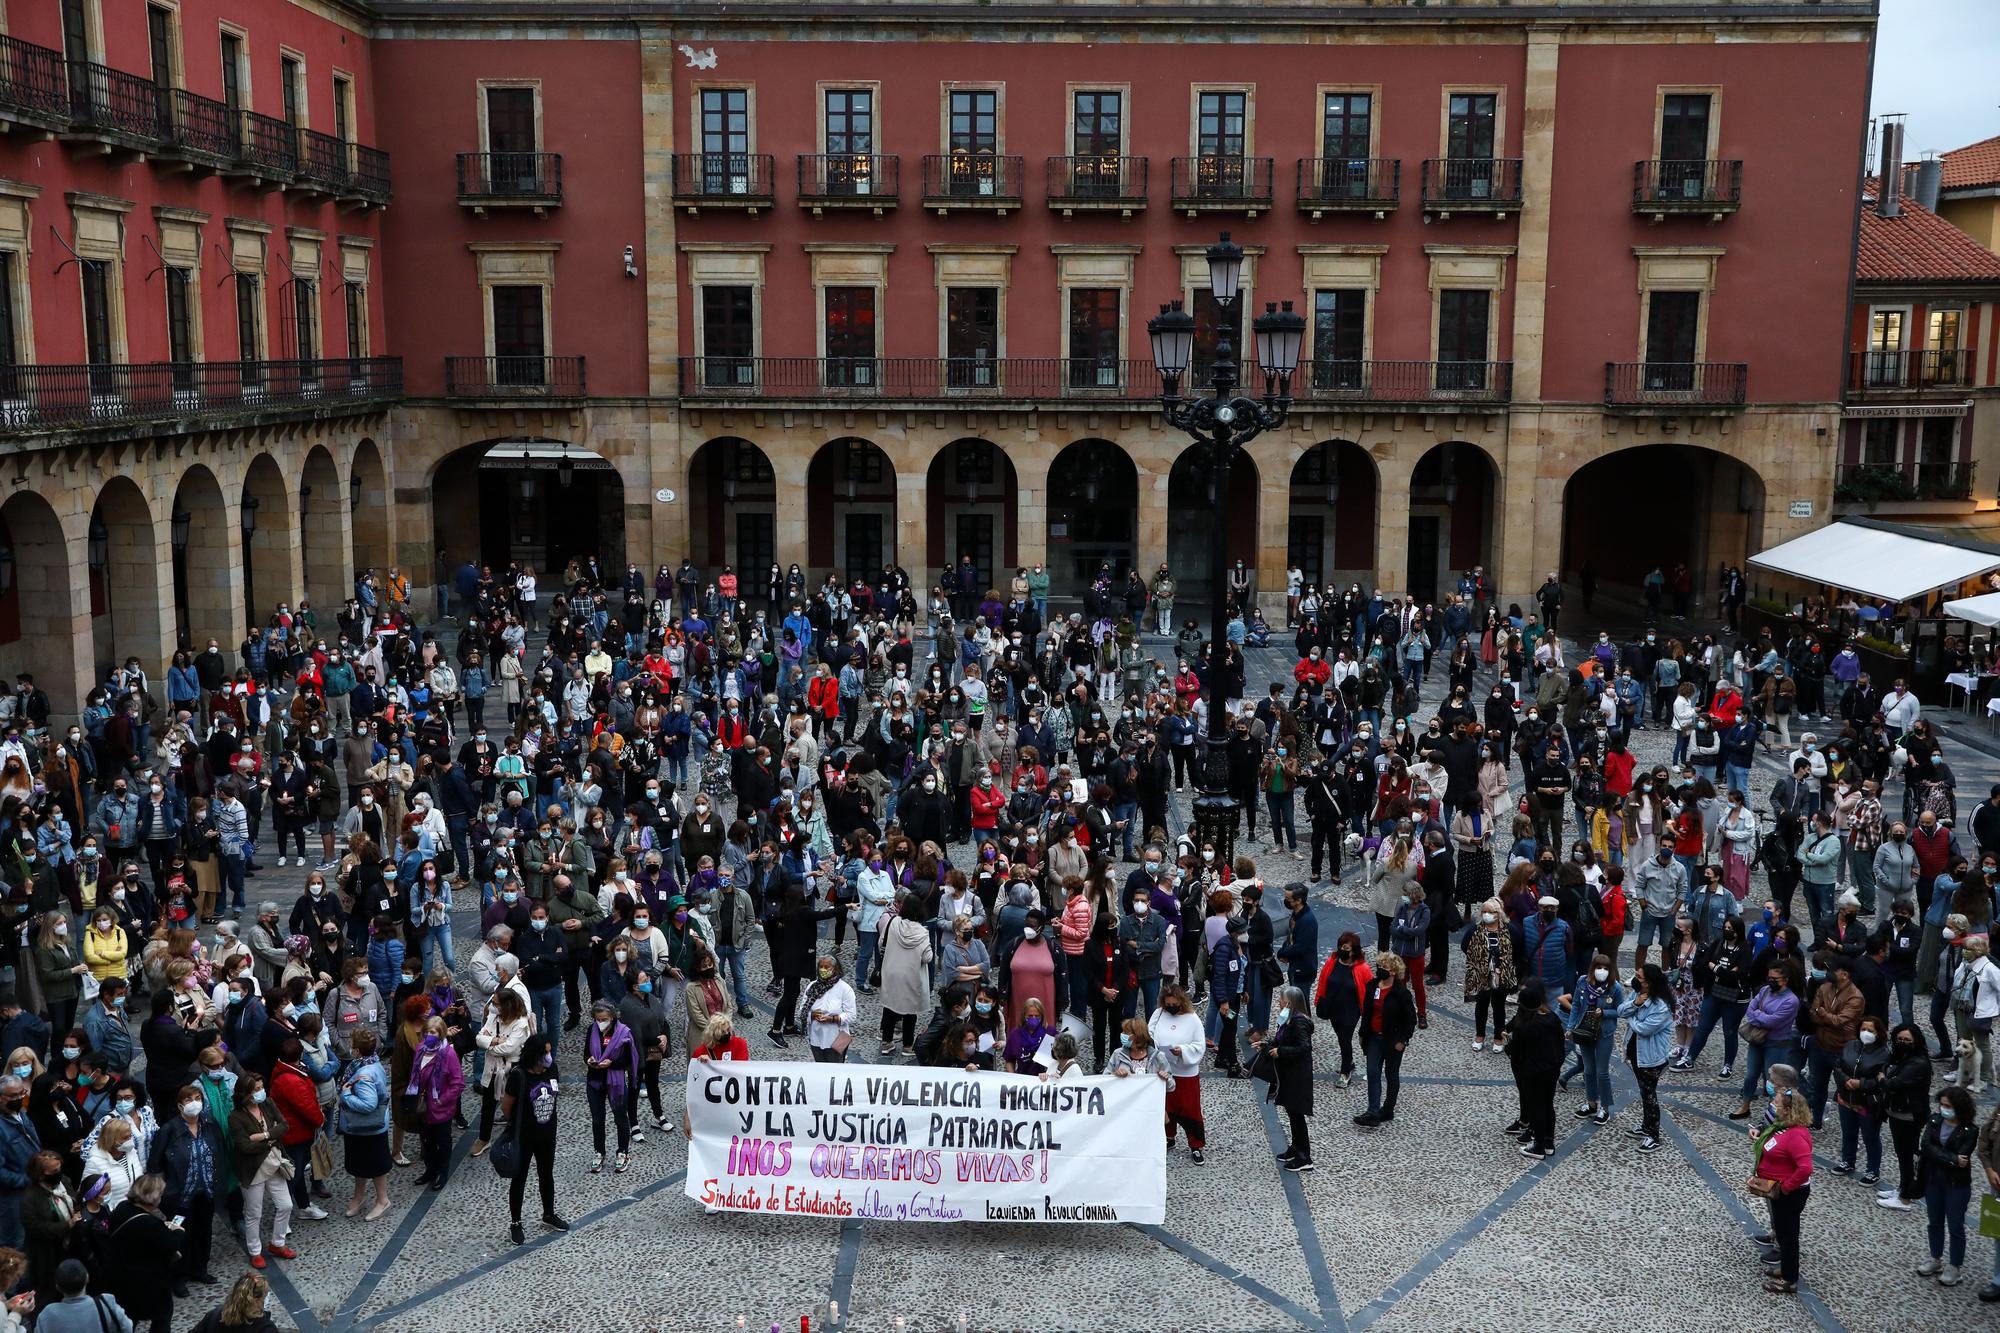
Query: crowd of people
x=540, y=844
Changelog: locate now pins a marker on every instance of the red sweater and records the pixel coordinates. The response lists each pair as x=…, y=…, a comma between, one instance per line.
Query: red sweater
x=1787, y=1158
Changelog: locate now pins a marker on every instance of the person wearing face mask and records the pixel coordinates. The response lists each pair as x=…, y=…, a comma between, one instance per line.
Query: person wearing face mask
x=1770, y=1028
x=1488, y=946
x=19, y=1142
x=611, y=1062
x=1975, y=1003
x=1026, y=968
x=189, y=1152
x=530, y=1103
x=1949, y=1142
x=1860, y=1086
x=1590, y=1016
x=257, y=1130
x=827, y=1012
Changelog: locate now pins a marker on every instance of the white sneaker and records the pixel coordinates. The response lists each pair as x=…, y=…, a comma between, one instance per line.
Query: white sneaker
x=312, y=1212
x=1893, y=1202
x=1950, y=1276
x=1478, y=1044
x=281, y=860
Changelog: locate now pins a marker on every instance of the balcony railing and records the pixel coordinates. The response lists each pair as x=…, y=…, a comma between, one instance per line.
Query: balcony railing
x=724, y=180
x=1097, y=181
x=1222, y=183
x=269, y=148
x=1076, y=379
x=1872, y=483
x=1675, y=384
x=40, y=398
x=322, y=159
x=370, y=179
x=201, y=129
x=109, y=101
x=529, y=180
x=1349, y=184
x=1710, y=186
x=1472, y=184
x=972, y=180
x=849, y=180
x=514, y=376
x=32, y=83
x=1884, y=373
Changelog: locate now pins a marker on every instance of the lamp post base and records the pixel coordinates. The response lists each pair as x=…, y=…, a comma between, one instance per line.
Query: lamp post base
x=1215, y=810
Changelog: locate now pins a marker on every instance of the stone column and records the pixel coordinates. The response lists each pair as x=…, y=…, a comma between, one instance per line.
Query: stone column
x=139, y=585
x=1031, y=502
x=1531, y=262
x=328, y=551
x=1392, y=514
x=1528, y=523
x=1275, y=455
x=789, y=466
x=656, y=113
x=1154, y=461
x=214, y=561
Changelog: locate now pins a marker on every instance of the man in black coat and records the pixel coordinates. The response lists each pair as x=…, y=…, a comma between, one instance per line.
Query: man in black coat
x=1440, y=882
x=1535, y=1049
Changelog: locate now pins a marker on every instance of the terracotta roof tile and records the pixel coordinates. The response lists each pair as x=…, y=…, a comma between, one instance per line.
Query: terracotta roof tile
x=1973, y=165
x=1918, y=246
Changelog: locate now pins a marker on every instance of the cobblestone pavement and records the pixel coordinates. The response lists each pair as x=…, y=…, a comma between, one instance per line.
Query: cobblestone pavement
x=1434, y=1222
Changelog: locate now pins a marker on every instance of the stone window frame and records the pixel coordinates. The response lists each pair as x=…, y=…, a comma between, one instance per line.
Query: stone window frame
x=874, y=89
x=534, y=85
x=1249, y=91
x=727, y=264
x=306, y=246
x=1075, y=86
x=976, y=265
x=17, y=235
x=249, y=252
x=534, y=265
x=1666, y=90
x=1678, y=268
x=850, y=264
x=998, y=87
x=1093, y=267
x=1374, y=91
x=97, y=223
x=1468, y=268
x=182, y=233
x=355, y=271
x=1499, y=92
x=1341, y=268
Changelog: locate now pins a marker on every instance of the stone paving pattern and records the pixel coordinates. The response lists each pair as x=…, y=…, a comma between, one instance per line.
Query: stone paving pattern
x=1434, y=1222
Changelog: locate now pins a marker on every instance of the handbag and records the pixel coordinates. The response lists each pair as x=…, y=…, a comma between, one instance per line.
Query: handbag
x=1270, y=973
x=1989, y=1216
x=1753, y=1033
x=322, y=1158
x=1264, y=1065
x=841, y=1041
x=275, y=1166
x=1763, y=1187
x=506, y=1155
x=1589, y=1027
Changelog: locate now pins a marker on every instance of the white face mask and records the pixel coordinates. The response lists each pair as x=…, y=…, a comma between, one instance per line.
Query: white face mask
x=1868, y=1038
x=1601, y=975
x=1489, y=917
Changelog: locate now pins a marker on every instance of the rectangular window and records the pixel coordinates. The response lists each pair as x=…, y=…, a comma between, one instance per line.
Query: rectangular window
x=756, y=540
x=725, y=140
x=1945, y=359
x=232, y=85
x=850, y=336
x=971, y=336
x=728, y=333
x=518, y=347
x=10, y=344
x=249, y=318
x=1882, y=442
x=180, y=325
x=1885, y=347
x=1684, y=127
x=973, y=130
x=1097, y=134
x=1093, y=337
x=512, y=167
x=292, y=86
x=343, y=109
x=850, y=140
x=1221, y=124
x=160, y=45
x=1470, y=122
x=1211, y=326
x=1307, y=543
x=96, y=311
x=1346, y=124
x=356, y=302
x=1462, y=327
x=76, y=31
x=305, y=305
x=1340, y=329
x=1673, y=320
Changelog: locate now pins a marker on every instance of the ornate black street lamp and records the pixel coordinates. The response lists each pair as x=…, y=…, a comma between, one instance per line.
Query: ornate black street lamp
x=1224, y=421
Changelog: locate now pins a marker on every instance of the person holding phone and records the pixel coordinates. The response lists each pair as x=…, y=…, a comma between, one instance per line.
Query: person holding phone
x=828, y=1010
x=192, y=1178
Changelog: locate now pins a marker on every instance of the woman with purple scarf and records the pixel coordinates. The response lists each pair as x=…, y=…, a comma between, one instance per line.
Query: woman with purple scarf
x=437, y=1081
x=612, y=1059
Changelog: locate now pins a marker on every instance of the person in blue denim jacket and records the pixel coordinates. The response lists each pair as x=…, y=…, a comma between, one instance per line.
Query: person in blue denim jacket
x=1596, y=992
x=364, y=1122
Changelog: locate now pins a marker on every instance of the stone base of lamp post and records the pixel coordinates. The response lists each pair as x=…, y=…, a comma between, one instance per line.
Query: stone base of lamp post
x=1215, y=810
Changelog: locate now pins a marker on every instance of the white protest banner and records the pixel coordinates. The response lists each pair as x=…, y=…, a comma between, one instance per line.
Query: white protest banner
x=924, y=1145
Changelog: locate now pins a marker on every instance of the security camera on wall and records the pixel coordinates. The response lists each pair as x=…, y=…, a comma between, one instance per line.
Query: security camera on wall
x=631, y=268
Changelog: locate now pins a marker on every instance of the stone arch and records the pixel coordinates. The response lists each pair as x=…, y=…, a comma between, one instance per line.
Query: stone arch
x=732, y=506
x=323, y=520
x=123, y=557
x=1336, y=489
x=851, y=508
x=1093, y=515
x=370, y=543
x=1661, y=505
x=270, y=552
x=203, y=536
x=44, y=614
x=534, y=501
x=1194, y=507
x=971, y=497
x=1454, y=493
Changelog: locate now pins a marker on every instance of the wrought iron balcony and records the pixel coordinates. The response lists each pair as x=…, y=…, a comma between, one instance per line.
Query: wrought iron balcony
x=1710, y=188
x=269, y=148
x=724, y=180
x=201, y=130
x=369, y=181
x=981, y=181
x=1874, y=483
x=34, y=89
x=111, y=105
x=1456, y=384
x=514, y=376
x=1907, y=374
x=1349, y=185
x=1472, y=185
x=510, y=180
x=867, y=181
x=1097, y=182
x=71, y=397
x=1222, y=184
x=1676, y=386
x=323, y=162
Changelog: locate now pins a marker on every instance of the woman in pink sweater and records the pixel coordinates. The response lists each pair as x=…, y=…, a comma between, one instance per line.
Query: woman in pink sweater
x=1784, y=1178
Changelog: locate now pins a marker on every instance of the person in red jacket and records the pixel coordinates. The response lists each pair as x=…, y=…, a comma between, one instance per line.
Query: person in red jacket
x=1726, y=705
x=823, y=698
x=988, y=803
x=298, y=1101
x=1312, y=672
x=1617, y=767
x=1343, y=985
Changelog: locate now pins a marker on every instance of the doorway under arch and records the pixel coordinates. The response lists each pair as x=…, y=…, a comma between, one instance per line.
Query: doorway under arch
x=323, y=518
x=537, y=503
x=121, y=551
x=1194, y=507
x=850, y=509
x=198, y=536
x=38, y=602
x=270, y=529
x=1453, y=490
x=1659, y=506
x=368, y=542
x=1335, y=494
x=733, y=509
x=970, y=495
x=1093, y=513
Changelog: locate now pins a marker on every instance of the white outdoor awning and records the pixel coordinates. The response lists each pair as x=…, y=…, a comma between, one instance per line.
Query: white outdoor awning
x=1895, y=565
x=1983, y=610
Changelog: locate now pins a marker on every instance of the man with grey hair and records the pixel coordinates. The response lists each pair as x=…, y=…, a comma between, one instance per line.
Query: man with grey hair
x=267, y=948
x=19, y=1142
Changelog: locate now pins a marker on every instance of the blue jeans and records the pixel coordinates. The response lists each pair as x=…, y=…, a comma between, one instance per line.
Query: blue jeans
x=1127, y=812
x=547, y=1005
x=1729, y=1015
x=1149, y=991
x=437, y=949
x=1079, y=988
x=458, y=826
x=232, y=885
x=12, y=1235
x=1820, y=1067
x=1760, y=1058
x=1944, y=1206
x=1738, y=776
x=1819, y=901
x=735, y=964
x=1597, y=1067
x=864, y=953
x=1283, y=831
x=1385, y=1066
x=1906, y=994
x=1680, y=747
x=1868, y=1129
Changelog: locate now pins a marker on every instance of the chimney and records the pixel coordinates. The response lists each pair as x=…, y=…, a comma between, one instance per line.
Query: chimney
x=1929, y=180
x=1889, y=190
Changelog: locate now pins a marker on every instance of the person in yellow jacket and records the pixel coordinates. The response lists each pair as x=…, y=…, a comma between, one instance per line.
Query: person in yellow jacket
x=106, y=945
